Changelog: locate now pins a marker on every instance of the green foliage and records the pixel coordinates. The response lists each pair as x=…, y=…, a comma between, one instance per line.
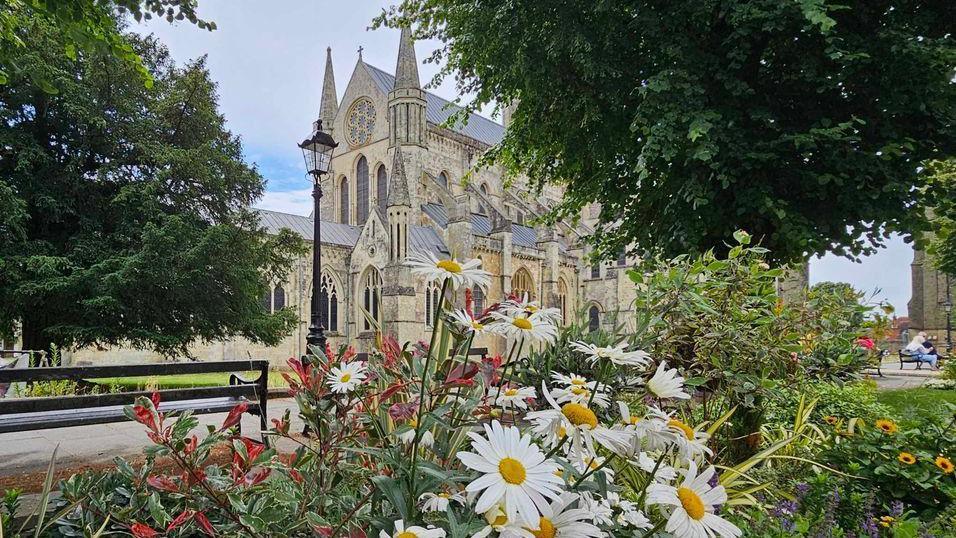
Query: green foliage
x=845, y=401
x=832, y=320
x=875, y=454
x=88, y=26
x=915, y=405
x=720, y=320
x=801, y=122
x=136, y=226
x=949, y=370
x=941, y=197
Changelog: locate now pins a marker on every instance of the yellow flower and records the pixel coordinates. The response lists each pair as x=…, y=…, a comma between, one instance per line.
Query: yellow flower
x=944, y=464
x=907, y=458
x=887, y=426
x=831, y=420
x=886, y=521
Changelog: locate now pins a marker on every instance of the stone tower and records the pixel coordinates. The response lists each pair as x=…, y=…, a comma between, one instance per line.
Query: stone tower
x=931, y=288
x=406, y=117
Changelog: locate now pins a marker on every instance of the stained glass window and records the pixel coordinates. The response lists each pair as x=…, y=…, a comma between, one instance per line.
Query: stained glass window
x=361, y=191
x=372, y=297
x=344, y=201
x=360, y=122
x=381, y=187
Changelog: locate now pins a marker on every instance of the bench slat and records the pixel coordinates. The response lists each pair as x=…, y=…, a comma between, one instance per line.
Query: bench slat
x=10, y=375
x=9, y=406
x=66, y=418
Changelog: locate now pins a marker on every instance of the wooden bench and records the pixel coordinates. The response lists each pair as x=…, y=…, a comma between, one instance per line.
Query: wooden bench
x=25, y=414
x=480, y=352
x=907, y=357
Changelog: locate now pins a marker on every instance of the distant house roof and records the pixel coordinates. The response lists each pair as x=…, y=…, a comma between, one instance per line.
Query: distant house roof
x=438, y=110
x=481, y=225
x=336, y=233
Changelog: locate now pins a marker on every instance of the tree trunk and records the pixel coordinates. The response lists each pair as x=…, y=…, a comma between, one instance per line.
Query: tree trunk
x=35, y=338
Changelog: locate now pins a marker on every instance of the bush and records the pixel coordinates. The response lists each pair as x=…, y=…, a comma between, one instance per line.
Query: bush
x=841, y=400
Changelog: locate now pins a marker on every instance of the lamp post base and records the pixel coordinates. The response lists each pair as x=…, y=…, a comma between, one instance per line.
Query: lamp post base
x=316, y=339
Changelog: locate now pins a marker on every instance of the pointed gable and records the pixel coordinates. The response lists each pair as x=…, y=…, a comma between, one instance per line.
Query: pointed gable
x=398, y=182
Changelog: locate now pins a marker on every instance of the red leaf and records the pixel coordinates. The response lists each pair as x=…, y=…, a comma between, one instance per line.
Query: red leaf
x=141, y=530
x=155, y=399
x=391, y=390
x=235, y=415
x=191, y=445
x=204, y=524
x=180, y=519
x=163, y=483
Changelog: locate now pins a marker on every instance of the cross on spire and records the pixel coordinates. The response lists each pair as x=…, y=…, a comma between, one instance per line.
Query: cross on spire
x=360, y=49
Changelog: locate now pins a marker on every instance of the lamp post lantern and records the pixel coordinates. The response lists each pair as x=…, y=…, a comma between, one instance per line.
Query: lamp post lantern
x=317, y=152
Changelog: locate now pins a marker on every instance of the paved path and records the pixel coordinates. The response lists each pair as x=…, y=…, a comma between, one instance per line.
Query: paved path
x=27, y=453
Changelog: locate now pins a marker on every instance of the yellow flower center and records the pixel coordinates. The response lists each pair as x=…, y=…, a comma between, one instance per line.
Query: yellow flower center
x=345, y=378
x=531, y=309
x=545, y=529
x=633, y=421
x=511, y=392
x=512, y=471
x=562, y=432
x=500, y=521
x=907, y=458
x=688, y=431
x=444, y=495
x=522, y=323
x=477, y=326
x=579, y=391
x=577, y=382
x=407, y=534
x=449, y=265
x=579, y=415
x=691, y=503
x=413, y=422
x=887, y=426
x=944, y=464
x=593, y=465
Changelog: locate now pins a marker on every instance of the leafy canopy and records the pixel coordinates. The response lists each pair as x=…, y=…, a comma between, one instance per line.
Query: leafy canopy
x=86, y=25
x=124, y=210
x=803, y=122
x=942, y=194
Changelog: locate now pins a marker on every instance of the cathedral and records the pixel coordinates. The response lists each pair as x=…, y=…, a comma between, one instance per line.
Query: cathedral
x=404, y=178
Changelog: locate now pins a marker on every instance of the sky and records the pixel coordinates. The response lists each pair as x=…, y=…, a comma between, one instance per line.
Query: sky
x=268, y=60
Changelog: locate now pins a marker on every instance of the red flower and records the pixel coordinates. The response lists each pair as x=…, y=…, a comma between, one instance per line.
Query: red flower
x=180, y=519
x=204, y=524
x=140, y=530
x=235, y=415
x=163, y=483
x=865, y=342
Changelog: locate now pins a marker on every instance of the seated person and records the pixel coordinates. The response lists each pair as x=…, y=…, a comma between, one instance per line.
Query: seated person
x=923, y=350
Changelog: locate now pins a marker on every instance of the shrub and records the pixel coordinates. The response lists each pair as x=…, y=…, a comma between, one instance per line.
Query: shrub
x=842, y=400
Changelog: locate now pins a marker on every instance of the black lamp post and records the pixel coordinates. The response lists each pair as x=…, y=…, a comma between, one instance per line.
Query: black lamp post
x=317, y=151
x=948, y=308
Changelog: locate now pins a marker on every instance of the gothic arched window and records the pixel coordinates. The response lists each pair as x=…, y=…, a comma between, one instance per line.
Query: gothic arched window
x=344, y=200
x=521, y=284
x=594, y=318
x=371, y=296
x=329, y=303
x=563, y=299
x=477, y=300
x=432, y=302
x=278, y=299
x=361, y=191
x=381, y=187
x=481, y=206
x=443, y=179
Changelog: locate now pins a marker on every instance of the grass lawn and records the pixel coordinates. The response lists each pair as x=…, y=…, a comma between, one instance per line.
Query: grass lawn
x=913, y=403
x=182, y=381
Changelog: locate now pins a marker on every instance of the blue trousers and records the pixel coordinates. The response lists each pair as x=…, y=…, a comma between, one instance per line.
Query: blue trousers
x=928, y=358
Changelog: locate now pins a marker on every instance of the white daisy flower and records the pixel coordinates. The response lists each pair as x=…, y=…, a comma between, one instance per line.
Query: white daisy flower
x=689, y=442
x=412, y=532
x=346, y=377
x=615, y=354
x=592, y=464
x=526, y=307
x=666, y=383
x=627, y=419
x=535, y=327
x=467, y=274
x=515, y=396
x=498, y=522
x=689, y=508
x=581, y=395
x=439, y=502
x=467, y=323
x=408, y=437
x=573, y=380
x=514, y=471
x=578, y=421
x=561, y=521
x=664, y=472
x=631, y=516
x=600, y=509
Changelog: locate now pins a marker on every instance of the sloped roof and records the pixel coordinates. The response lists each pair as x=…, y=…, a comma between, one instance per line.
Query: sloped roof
x=336, y=233
x=333, y=233
x=438, y=110
x=481, y=225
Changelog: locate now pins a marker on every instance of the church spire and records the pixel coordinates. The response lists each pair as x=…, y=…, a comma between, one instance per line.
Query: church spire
x=398, y=185
x=406, y=70
x=330, y=104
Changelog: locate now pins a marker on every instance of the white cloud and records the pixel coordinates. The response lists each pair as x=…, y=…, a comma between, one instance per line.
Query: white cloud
x=298, y=202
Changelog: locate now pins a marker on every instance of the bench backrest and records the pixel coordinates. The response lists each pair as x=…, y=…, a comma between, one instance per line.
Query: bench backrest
x=254, y=392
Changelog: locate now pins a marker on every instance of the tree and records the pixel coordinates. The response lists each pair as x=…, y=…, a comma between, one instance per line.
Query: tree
x=128, y=206
x=86, y=25
x=802, y=122
x=941, y=200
